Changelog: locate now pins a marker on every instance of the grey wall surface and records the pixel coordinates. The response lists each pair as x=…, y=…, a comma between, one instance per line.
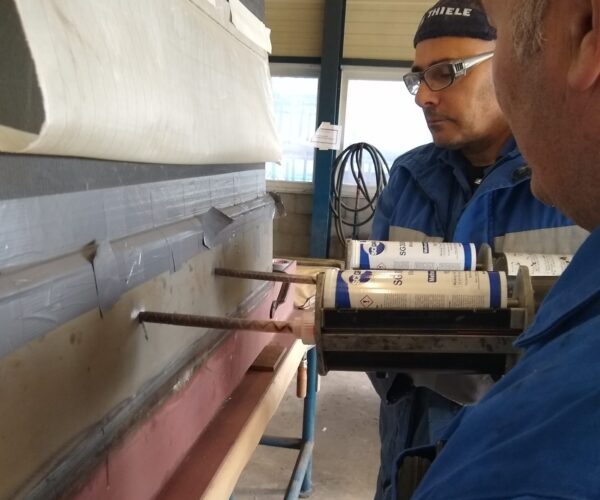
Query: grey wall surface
x=84, y=244
x=25, y=176
x=257, y=7
x=75, y=266
x=62, y=390
x=291, y=234
x=21, y=103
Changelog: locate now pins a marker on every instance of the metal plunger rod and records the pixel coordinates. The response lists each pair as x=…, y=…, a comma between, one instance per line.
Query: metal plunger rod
x=215, y=322
x=263, y=276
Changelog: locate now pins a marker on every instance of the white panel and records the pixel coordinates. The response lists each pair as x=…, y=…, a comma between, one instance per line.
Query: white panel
x=146, y=80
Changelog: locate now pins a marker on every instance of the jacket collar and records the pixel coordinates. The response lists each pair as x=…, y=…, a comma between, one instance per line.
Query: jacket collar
x=577, y=288
x=508, y=152
x=425, y=169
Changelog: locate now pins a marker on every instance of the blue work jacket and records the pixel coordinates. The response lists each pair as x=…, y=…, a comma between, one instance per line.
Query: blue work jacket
x=536, y=434
x=428, y=197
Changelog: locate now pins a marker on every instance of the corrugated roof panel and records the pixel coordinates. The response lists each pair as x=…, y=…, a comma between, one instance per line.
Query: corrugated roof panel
x=296, y=27
x=382, y=29
x=375, y=29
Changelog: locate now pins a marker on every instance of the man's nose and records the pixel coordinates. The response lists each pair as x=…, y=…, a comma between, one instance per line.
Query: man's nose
x=425, y=97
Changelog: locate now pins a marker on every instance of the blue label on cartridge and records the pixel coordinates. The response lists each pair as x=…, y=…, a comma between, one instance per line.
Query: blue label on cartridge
x=342, y=295
x=365, y=262
x=376, y=248
x=360, y=277
x=468, y=257
x=495, y=290
x=368, y=250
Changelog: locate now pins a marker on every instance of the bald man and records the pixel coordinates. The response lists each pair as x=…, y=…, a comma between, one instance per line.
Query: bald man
x=536, y=434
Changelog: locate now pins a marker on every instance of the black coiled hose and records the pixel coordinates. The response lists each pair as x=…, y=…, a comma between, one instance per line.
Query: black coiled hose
x=365, y=200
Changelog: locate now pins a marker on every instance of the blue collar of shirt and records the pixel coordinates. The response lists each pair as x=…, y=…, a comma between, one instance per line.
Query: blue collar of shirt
x=577, y=287
x=496, y=176
x=508, y=152
x=427, y=172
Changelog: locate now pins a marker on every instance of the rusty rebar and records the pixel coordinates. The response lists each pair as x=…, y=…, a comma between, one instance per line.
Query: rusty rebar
x=214, y=322
x=264, y=276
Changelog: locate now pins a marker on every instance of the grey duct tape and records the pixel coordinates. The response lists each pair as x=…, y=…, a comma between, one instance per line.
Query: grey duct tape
x=184, y=240
x=106, y=275
x=142, y=257
x=29, y=232
x=222, y=225
x=29, y=176
x=39, y=229
x=37, y=299
x=214, y=223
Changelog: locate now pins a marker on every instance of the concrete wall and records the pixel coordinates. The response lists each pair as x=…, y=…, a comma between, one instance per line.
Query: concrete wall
x=291, y=234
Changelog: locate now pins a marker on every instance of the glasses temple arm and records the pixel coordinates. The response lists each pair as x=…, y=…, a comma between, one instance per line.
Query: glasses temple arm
x=473, y=61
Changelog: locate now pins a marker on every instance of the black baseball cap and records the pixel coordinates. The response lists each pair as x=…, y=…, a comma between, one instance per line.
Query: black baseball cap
x=461, y=18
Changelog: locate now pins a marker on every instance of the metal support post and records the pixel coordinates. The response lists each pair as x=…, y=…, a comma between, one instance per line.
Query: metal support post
x=310, y=414
x=327, y=111
x=300, y=484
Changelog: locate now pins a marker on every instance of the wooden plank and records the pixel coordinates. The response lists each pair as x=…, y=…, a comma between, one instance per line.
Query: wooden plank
x=215, y=462
x=269, y=358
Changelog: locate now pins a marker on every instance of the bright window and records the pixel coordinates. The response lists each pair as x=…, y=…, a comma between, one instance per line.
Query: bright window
x=377, y=109
x=295, y=104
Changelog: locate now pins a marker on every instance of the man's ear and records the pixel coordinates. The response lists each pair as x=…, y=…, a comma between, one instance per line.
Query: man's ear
x=584, y=32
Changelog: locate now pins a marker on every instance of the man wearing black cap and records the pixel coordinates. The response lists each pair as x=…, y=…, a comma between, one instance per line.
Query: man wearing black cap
x=472, y=186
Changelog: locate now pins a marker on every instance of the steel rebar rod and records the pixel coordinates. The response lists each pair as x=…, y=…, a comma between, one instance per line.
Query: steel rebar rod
x=264, y=276
x=218, y=323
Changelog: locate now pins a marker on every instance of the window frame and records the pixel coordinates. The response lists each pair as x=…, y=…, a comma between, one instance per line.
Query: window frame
x=293, y=70
x=349, y=72
x=378, y=73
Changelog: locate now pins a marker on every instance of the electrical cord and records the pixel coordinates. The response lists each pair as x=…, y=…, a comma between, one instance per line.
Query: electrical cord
x=365, y=200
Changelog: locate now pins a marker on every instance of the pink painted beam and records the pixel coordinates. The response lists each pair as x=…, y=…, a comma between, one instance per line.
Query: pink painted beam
x=213, y=465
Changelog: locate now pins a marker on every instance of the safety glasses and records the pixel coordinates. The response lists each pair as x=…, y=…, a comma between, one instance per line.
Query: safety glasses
x=441, y=75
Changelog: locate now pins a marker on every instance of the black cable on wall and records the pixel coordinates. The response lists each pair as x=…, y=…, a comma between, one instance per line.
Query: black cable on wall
x=348, y=219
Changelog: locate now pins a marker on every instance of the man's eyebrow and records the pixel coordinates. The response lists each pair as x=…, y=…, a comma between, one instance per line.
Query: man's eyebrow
x=417, y=69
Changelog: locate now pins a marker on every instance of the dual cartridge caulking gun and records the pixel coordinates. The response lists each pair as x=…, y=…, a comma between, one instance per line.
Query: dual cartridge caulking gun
x=410, y=305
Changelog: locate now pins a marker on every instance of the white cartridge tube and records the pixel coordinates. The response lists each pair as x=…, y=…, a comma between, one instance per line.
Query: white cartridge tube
x=415, y=290
x=538, y=264
x=411, y=255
